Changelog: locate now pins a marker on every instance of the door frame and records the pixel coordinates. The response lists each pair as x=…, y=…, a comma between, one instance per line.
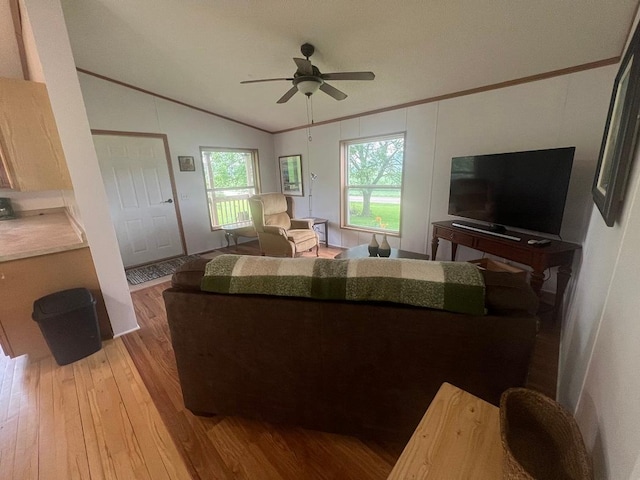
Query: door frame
x=172, y=179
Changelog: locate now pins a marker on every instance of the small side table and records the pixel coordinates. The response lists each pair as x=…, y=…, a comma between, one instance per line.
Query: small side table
x=325, y=231
x=458, y=438
x=232, y=232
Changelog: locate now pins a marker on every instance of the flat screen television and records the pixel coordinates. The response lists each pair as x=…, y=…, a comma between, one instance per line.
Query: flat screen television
x=524, y=190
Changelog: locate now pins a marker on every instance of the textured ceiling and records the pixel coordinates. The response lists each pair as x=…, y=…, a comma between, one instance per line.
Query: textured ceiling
x=198, y=52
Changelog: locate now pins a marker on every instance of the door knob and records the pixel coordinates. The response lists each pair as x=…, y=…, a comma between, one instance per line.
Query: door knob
x=168, y=201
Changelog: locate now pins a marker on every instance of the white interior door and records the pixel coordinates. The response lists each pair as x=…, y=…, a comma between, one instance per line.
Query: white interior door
x=135, y=173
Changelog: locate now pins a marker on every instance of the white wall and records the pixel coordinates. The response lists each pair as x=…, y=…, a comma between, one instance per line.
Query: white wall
x=557, y=112
x=599, y=355
x=603, y=339
x=114, y=107
x=321, y=156
x=47, y=45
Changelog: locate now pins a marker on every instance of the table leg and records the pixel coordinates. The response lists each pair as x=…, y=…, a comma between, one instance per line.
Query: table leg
x=537, y=279
x=454, y=251
x=227, y=235
x=434, y=247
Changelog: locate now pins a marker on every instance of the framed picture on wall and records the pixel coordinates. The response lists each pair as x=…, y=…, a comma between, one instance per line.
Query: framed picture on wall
x=620, y=135
x=291, y=175
x=186, y=164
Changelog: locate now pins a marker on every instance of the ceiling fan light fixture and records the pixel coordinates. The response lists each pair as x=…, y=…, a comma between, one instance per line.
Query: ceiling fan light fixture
x=308, y=80
x=308, y=85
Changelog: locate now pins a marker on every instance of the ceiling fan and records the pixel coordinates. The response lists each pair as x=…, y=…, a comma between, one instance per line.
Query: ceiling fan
x=309, y=80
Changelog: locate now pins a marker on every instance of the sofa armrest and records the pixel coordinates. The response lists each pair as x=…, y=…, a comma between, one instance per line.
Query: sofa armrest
x=298, y=223
x=275, y=230
x=189, y=275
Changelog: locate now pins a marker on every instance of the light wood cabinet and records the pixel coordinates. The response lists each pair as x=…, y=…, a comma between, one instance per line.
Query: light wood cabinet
x=31, y=155
x=25, y=280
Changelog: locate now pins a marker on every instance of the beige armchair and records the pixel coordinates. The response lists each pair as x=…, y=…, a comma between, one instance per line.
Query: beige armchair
x=278, y=233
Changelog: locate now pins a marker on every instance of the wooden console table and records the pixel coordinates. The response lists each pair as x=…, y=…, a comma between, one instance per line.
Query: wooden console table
x=557, y=254
x=458, y=438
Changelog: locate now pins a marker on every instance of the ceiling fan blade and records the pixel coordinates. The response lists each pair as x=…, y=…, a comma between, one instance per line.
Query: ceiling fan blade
x=332, y=91
x=304, y=66
x=290, y=93
x=348, y=76
x=266, y=80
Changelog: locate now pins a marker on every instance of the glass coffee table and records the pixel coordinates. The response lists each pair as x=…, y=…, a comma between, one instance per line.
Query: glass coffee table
x=362, y=251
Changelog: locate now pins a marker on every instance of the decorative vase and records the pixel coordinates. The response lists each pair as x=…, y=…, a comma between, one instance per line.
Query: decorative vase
x=384, y=250
x=373, y=246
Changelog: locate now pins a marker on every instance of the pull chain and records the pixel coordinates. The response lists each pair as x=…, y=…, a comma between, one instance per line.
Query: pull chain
x=309, y=138
x=309, y=117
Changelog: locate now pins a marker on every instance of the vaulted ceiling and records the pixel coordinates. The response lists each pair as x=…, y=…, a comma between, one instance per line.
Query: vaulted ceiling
x=198, y=51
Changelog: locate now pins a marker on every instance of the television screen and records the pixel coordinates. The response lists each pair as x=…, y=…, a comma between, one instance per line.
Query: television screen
x=521, y=189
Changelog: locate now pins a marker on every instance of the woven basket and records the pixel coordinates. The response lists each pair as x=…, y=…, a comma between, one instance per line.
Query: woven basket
x=540, y=439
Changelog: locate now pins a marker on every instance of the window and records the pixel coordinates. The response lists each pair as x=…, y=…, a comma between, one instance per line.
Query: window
x=230, y=178
x=372, y=183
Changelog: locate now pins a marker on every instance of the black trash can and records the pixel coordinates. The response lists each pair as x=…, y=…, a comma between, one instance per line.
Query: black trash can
x=69, y=324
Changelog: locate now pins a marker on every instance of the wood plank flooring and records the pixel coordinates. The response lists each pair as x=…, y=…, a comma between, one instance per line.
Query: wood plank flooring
x=93, y=419
x=118, y=414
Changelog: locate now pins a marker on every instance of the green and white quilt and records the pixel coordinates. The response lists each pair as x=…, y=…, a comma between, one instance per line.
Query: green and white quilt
x=451, y=286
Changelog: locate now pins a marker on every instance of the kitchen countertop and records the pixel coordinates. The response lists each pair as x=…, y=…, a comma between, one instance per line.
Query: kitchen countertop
x=40, y=234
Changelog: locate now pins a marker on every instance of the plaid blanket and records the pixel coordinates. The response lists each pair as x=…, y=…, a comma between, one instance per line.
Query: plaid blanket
x=452, y=286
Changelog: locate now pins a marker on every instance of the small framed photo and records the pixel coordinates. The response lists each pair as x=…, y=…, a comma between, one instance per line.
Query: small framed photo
x=186, y=164
x=291, y=175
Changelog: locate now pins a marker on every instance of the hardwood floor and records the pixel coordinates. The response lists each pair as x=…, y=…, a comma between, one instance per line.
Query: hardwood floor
x=93, y=419
x=118, y=414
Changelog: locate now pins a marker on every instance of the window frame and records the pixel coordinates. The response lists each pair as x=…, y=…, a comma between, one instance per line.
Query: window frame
x=256, y=177
x=344, y=204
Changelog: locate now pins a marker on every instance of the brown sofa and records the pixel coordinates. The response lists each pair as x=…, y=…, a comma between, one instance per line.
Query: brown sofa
x=368, y=369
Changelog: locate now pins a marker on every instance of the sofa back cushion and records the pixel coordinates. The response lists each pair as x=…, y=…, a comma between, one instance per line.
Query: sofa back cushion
x=505, y=293
x=451, y=286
